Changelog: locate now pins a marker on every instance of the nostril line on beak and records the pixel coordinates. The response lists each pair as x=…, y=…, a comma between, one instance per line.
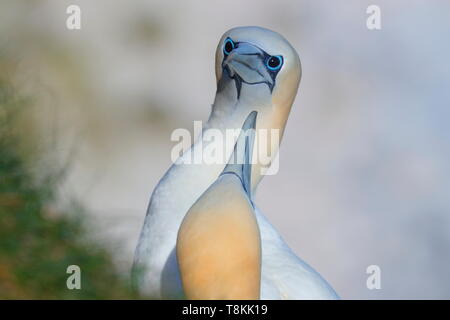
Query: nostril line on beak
x=244, y=63
x=250, y=54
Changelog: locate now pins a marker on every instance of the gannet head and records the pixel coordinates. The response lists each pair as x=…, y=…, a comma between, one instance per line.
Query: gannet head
x=261, y=64
x=256, y=69
x=218, y=243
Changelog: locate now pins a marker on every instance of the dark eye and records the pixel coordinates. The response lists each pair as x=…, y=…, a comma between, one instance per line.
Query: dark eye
x=228, y=46
x=274, y=62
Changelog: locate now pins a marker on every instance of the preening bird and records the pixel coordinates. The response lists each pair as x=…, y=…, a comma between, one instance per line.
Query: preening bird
x=256, y=70
x=218, y=244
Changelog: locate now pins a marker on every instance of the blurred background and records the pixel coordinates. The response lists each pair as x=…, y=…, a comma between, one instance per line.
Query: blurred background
x=364, y=165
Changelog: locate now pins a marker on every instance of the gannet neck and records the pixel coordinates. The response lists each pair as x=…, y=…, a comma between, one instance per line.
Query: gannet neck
x=219, y=246
x=218, y=243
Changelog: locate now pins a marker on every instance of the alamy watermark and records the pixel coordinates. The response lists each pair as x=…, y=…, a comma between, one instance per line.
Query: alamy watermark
x=373, y=21
x=74, y=280
x=73, y=21
x=374, y=279
x=215, y=146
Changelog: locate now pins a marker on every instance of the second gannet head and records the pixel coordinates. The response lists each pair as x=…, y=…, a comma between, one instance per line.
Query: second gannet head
x=256, y=69
x=218, y=244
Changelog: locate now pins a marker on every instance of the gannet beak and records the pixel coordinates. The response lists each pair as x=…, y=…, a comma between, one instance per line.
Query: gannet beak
x=240, y=161
x=246, y=64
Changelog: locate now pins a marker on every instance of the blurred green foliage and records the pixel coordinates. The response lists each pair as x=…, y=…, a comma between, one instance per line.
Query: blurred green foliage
x=37, y=244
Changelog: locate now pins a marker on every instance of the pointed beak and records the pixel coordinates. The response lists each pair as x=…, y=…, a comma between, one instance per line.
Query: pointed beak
x=240, y=161
x=246, y=62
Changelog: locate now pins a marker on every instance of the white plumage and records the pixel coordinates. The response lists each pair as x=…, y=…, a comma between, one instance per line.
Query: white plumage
x=248, y=79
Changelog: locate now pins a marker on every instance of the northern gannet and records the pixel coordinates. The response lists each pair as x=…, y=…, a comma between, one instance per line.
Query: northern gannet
x=256, y=70
x=219, y=244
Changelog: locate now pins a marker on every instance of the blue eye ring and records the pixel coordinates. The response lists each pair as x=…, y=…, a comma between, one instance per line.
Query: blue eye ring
x=274, y=63
x=228, y=46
